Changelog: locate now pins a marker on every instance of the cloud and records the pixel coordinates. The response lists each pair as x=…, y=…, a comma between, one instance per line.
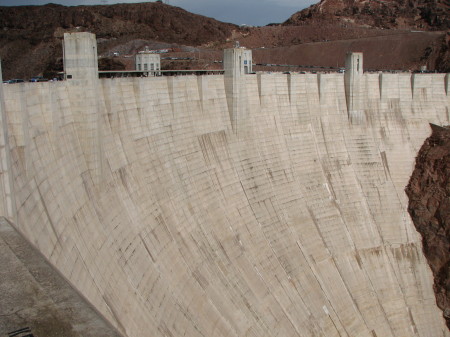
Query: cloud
x=292, y=3
x=251, y=12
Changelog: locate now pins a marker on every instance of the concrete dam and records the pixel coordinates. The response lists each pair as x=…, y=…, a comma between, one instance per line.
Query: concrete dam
x=227, y=205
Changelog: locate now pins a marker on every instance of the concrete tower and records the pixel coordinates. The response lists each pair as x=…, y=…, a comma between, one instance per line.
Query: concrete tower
x=81, y=73
x=237, y=62
x=7, y=206
x=353, y=90
x=80, y=56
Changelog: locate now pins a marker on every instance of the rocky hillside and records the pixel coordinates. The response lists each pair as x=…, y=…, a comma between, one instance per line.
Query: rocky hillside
x=150, y=19
x=320, y=36
x=399, y=14
x=30, y=36
x=429, y=206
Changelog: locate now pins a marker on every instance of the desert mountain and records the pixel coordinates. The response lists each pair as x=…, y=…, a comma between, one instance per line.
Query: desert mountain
x=31, y=36
x=397, y=14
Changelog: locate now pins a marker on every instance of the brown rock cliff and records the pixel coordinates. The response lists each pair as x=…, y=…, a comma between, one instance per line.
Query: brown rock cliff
x=429, y=206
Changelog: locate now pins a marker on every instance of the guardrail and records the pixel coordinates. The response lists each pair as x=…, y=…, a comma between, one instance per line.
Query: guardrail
x=136, y=73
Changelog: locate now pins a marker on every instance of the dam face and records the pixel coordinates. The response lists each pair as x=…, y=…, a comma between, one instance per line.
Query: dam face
x=174, y=216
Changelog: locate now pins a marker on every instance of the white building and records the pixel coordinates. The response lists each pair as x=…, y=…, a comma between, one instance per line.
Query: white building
x=148, y=61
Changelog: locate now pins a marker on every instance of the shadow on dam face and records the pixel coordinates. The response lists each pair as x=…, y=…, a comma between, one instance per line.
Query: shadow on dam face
x=171, y=221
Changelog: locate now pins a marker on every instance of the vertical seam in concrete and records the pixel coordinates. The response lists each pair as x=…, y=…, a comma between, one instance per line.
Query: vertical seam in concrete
x=447, y=83
x=170, y=80
x=25, y=129
x=259, y=86
x=5, y=157
x=340, y=327
x=99, y=133
x=289, y=84
x=318, y=78
x=201, y=86
x=380, y=85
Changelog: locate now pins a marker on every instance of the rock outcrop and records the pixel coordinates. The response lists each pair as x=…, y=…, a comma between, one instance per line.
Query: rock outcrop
x=414, y=14
x=429, y=206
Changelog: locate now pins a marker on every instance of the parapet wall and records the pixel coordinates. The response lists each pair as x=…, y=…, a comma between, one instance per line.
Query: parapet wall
x=173, y=222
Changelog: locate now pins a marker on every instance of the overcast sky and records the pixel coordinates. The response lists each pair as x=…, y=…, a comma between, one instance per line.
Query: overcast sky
x=250, y=12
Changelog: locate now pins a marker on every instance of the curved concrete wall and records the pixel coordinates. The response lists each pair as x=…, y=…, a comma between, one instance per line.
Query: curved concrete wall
x=173, y=223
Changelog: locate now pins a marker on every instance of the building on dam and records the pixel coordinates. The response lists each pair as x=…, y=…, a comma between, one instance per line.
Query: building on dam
x=146, y=60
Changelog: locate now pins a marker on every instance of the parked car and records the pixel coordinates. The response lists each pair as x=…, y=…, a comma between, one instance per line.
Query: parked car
x=16, y=80
x=38, y=79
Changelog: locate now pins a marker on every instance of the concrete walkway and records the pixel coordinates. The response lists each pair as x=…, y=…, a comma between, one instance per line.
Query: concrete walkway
x=35, y=299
